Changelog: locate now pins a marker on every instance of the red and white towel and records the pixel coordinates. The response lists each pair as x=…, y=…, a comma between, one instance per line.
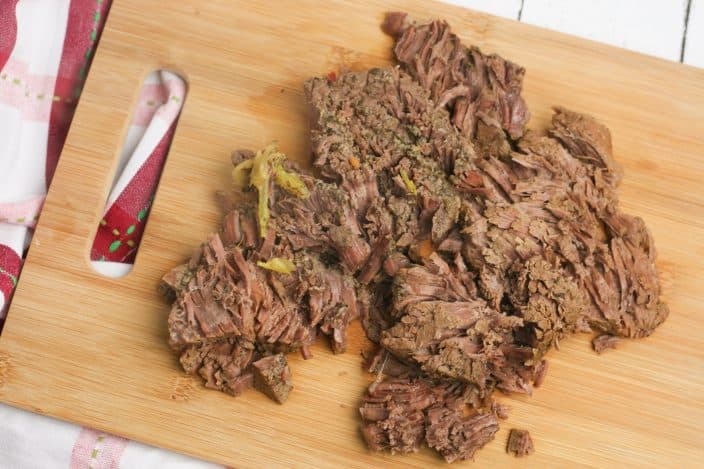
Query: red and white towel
x=142, y=157
x=46, y=47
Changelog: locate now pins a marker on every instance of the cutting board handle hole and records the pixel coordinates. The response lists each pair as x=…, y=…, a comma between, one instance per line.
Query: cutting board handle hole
x=145, y=148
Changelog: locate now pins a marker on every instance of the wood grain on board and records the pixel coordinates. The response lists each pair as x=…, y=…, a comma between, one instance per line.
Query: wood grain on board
x=92, y=350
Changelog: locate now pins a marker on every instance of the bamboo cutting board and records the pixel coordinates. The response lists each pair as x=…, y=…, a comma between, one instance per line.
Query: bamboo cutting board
x=92, y=350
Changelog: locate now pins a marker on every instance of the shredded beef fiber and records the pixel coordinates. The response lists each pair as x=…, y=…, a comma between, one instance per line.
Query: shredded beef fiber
x=467, y=244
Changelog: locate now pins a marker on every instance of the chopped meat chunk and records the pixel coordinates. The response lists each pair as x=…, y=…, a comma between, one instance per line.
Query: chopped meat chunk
x=500, y=410
x=457, y=437
x=604, y=342
x=541, y=371
x=272, y=376
x=393, y=415
x=399, y=414
x=519, y=443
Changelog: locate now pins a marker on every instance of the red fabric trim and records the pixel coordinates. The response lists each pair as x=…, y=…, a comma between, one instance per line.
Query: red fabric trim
x=115, y=229
x=8, y=29
x=79, y=49
x=10, y=265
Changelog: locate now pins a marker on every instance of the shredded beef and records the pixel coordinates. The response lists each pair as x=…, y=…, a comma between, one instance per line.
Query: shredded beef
x=399, y=414
x=393, y=415
x=229, y=314
x=504, y=241
x=481, y=91
x=457, y=437
x=468, y=245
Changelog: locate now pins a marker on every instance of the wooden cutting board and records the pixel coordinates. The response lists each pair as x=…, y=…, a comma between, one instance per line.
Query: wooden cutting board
x=92, y=350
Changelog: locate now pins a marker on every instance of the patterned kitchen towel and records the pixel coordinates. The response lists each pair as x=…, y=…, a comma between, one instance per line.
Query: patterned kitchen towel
x=46, y=47
x=143, y=155
x=30, y=441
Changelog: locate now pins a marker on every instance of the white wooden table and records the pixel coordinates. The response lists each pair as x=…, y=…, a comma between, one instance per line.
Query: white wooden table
x=670, y=29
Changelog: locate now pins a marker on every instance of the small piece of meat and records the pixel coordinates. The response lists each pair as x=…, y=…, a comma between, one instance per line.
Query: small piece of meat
x=624, y=284
x=586, y=139
x=541, y=371
x=238, y=156
x=519, y=443
x=399, y=414
x=306, y=353
x=384, y=363
x=394, y=23
x=604, y=342
x=223, y=365
x=393, y=416
x=272, y=376
x=457, y=437
x=500, y=410
x=175, y=279
x=232, y=231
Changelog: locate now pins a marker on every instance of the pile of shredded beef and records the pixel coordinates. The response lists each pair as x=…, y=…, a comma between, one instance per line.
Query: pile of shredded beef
x=468, y=245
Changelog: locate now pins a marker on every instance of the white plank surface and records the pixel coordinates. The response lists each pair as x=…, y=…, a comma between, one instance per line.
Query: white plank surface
x=694, y=50
x=503, y=8
x=653, y=27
